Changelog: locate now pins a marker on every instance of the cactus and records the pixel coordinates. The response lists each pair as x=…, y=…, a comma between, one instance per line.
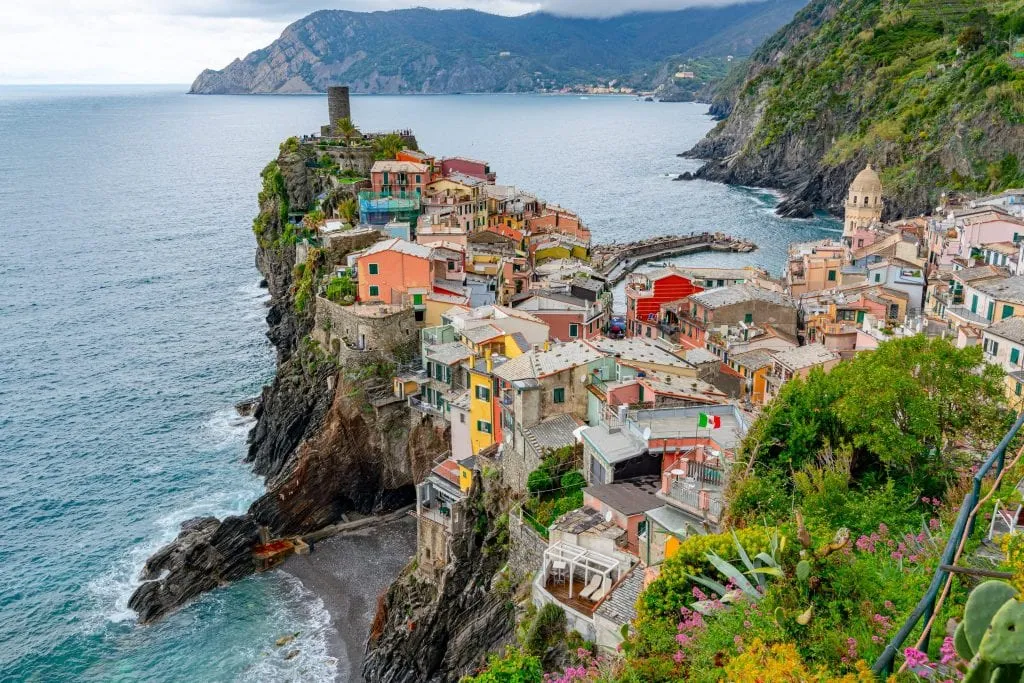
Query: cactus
x=991, y=634
x=803, y=570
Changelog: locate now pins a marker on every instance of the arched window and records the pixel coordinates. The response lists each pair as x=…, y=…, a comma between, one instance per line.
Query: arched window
x=855, y=200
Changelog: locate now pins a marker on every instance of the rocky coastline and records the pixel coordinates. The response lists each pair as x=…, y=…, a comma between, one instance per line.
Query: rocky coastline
x=323, y=454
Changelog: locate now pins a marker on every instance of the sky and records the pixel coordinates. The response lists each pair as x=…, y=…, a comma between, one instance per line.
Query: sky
x=171, y=41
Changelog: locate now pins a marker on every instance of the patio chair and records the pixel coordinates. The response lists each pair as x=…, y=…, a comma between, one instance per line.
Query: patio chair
x=606, y=587
x=592, y=586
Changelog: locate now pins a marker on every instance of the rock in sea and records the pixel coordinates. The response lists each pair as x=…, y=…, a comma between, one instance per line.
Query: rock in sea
x=794, y=208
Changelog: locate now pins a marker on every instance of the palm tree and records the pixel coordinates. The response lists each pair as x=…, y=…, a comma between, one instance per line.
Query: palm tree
x=388, y=146
x=346, y=129
x=348, y=210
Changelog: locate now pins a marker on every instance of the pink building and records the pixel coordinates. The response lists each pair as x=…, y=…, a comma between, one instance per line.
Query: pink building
x=399, y=178
x=568, y=317
x=624, y=505
x=470, y=167
x=986, y=226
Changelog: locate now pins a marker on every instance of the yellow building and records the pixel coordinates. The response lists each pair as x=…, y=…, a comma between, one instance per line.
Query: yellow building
x=482, y=400
x=863, y=203
x=466, y=473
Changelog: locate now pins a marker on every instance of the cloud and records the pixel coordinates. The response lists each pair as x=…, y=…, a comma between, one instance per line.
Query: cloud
x=171, y=41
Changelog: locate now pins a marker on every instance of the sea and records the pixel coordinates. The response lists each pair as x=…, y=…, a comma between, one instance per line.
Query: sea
x=131, y=322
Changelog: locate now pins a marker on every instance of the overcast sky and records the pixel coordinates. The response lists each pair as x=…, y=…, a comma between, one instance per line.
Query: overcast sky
x=171, y=41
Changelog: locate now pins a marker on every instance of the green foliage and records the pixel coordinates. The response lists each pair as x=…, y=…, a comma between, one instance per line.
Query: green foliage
x=346, y=129
x=546, y=630
x=348, y=210
x=895, y=414
x=896, y=83
x=289, y=146
x=341, y=289
x=982, y=605
x=539, y=480
x=387, y=146
x=573, y=481
x=515, y=666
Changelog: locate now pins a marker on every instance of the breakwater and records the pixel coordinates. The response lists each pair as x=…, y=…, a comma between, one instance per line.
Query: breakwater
x=614, y=261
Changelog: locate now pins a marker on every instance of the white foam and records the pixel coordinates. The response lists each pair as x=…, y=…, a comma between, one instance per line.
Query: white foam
x=112, y=589
x=227, y=428
x=314, y=661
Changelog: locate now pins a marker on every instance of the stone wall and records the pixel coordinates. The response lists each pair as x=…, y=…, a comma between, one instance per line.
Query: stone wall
x=352, y=332
x=431, y=548
x=526, y=548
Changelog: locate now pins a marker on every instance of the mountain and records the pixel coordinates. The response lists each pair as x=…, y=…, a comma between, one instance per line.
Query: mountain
x=930, y=91
x=443, y=51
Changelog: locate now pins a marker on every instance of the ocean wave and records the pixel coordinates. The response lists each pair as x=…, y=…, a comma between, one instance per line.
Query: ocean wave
x=227, y=428
x=313, y=660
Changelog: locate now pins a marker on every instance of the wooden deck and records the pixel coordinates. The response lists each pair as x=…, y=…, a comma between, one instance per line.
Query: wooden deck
x=560, y=591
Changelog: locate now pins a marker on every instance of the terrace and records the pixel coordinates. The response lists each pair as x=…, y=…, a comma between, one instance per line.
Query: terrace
x=578, y=577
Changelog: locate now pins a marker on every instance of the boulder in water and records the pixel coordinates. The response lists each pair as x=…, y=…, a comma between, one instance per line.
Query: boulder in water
x=793, y=207
x=684, y=176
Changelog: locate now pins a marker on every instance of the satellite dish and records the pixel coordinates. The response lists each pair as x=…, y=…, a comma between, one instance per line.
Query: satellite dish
x=647, y=433
x=608, y=516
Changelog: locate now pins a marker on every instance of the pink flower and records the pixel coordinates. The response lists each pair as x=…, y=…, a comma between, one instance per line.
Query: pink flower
x=699, y=594
x=678, y=656
x=915, y=658
x=933, y=523
x=948, y=651
x=888, y=605
x=883, y=529
x=896, y=555
x=746, y=624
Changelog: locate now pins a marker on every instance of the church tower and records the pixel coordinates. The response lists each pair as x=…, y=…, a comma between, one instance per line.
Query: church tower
x=863, y=203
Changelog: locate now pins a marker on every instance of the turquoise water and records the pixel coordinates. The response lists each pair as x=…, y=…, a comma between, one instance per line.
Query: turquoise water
x=132, y=323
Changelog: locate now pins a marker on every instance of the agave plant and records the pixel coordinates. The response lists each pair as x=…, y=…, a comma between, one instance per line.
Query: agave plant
x=758, y=569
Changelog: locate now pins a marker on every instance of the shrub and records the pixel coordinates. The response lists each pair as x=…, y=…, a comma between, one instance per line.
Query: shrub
x=781, y=662
x=546, y=630
x=515, y=666
x=573, y=482
x=538, y=481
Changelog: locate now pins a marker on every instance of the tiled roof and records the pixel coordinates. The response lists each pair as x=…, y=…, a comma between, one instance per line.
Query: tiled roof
x=806, y=356
x=481, y=333
x=1009, y=328
x=537, y=364
x=392, y=166
x=448, y=354
x=753, y=360
x=736, y=294
x=978, y=273
x=630, y=497
x=554, y=432
x=401, y=246
x=1006, y=289
x=700, y=355
x=620, y=606
x=637, y=350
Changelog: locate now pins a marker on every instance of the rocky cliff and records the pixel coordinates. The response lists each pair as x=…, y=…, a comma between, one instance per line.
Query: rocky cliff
x=431, y=51
x=322, y=444
x=931, y=93
x=443, y=630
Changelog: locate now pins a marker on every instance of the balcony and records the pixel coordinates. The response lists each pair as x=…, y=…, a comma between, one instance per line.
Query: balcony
x=968, y=316
x=425, y=407
x=688, y=496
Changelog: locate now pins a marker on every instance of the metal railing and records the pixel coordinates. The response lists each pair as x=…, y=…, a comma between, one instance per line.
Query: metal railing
x=964, y=526
x=425, y=407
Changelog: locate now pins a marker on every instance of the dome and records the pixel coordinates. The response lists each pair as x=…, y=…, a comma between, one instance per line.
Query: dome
x=867, y=182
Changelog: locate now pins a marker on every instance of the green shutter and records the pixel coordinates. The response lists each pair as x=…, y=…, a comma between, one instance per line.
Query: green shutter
x=748, y=318
x=574, y=330
x=1007, y=311
x=860, y=316
x=417, y=299
x=373, y=269
x=831, y=276
x=559, y=395
x=374, y=290
x=991, y=309
x=1014, y=355
x=974, y=303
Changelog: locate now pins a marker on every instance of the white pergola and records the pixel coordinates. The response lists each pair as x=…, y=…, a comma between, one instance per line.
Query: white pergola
x=573, y=557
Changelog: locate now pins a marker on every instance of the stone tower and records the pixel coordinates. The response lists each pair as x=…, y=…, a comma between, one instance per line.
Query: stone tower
x=337, y=105
x=863, y=203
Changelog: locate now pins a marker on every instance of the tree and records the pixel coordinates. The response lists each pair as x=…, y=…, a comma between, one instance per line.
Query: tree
x=346, y=129
x=539, y=481
x=340, y=288
x=313, y=220
x=388, y=146
x=514, y=667
x=348, y=210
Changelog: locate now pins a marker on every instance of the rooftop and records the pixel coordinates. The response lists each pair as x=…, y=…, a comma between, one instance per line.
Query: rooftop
x=674, y=520
x=479, y=334
x=666, y=423
x=398, y=245
x=620, y=606
x=701, y=355
x=806, y=356
x=554, y=432
x=753, y=360
x=1005, y=289
x=537, y=364
x=736, y=294
x=637, y=350
x=1009, y=328
x=392, y=166
x=615, y=446
x=449, y=353
x=585, y=520
x=629, y=497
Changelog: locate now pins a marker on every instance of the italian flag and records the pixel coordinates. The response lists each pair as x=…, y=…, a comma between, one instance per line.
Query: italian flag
x=706, y=421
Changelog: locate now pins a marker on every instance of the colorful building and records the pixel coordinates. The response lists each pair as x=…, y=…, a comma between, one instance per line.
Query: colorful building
x=399, y=178
x=646, y=292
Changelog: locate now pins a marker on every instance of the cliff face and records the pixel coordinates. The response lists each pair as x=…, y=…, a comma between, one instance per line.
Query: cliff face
x=440, y=632
x=432, y=51
x=927, y=92
x=323, y=447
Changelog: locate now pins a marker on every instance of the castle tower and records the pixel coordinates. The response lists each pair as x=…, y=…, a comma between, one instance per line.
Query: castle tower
x=863, y=203
x=337, y=105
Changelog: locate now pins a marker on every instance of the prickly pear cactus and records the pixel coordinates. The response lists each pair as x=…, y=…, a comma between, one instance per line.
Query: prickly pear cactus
x=991, y=634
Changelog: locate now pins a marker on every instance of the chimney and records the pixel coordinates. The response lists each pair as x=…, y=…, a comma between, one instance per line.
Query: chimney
x=488, y=361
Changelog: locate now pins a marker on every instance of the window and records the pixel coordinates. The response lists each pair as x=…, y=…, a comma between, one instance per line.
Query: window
x=878, y=277
x=420, y=316
x=462, y=418
x=417, y=299
x=1017, y=390
x=418, y=179
x=1007, y=311
x=451, y=265
x=748, y=318
x=574, y=330
x=974, y=303
x=385, y=177
x=559, y=395
x=483, y=426
x=831, y=276
x=483, y=393
x=994, y=348
x=374, y=290
x=373, y=268
x=1014, y=355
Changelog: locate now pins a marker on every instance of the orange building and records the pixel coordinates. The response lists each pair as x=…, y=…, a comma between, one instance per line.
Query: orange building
x=395, y=271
